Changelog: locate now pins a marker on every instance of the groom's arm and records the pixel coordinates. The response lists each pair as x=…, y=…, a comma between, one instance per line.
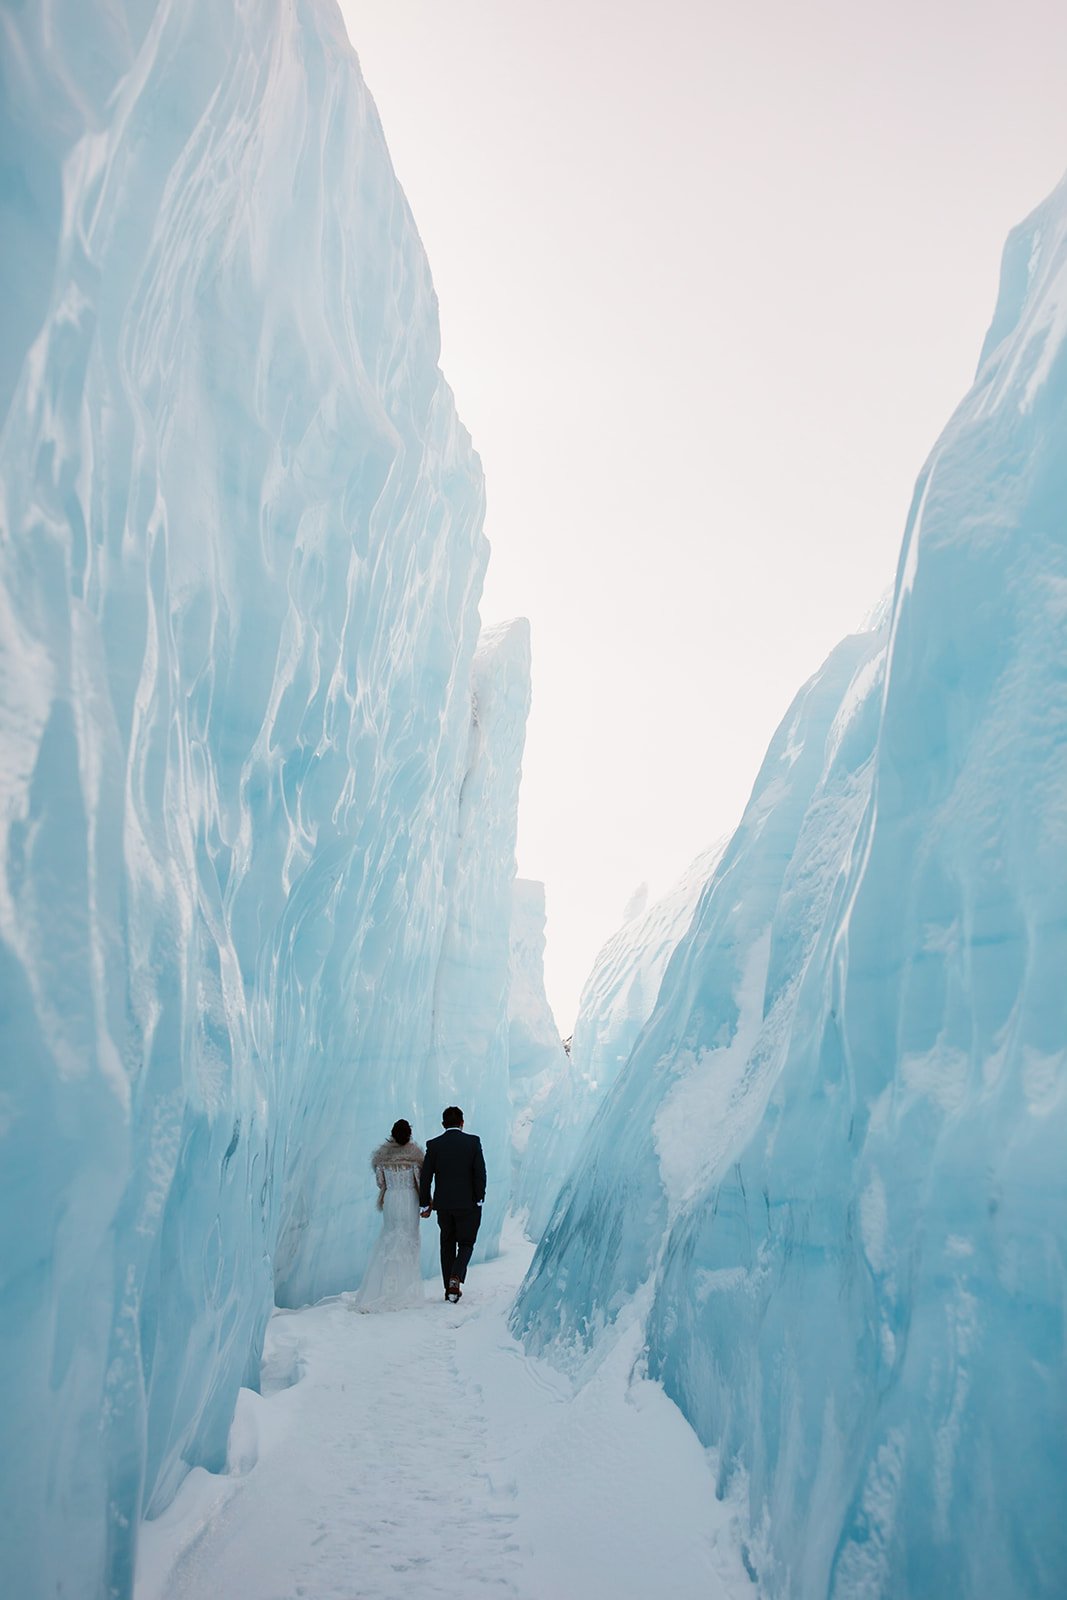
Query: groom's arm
x=479, y=1171
x=426, y=1180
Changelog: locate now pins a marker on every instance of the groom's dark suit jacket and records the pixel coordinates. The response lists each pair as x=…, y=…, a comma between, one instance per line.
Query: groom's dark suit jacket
x=456, y=1167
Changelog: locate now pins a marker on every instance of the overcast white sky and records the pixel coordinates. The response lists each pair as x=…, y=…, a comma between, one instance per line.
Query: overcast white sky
x=712, y=277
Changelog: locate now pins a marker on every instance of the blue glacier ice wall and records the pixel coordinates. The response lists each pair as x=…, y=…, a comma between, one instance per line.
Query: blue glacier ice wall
x=720, y=1021
x=240, y=560
x=469, y=1060
x=537, y=1062
x=616, y=1002
x=836, y=1157
x=621, y=990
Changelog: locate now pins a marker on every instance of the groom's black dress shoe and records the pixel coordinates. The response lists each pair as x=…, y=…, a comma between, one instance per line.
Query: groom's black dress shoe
x=453, y=1291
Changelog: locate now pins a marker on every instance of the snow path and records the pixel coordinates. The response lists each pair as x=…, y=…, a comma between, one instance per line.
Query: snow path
x=424, y=1450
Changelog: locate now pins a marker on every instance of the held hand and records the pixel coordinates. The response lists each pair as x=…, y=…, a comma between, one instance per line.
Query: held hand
x=425, y=1212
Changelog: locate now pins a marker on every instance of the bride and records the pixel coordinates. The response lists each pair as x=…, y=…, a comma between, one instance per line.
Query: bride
x=393, y=1281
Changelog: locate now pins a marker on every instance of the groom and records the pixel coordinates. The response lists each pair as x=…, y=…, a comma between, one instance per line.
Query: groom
x=454, y=1159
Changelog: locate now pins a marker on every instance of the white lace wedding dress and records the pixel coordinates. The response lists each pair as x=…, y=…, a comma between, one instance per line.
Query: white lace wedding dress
x=393, y=1281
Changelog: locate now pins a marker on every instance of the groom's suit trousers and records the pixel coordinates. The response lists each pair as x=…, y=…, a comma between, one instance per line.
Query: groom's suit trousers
x=459, y=1229
x=455, y=1168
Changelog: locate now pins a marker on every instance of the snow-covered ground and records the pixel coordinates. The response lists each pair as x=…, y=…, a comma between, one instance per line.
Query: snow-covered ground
x=425, y=1451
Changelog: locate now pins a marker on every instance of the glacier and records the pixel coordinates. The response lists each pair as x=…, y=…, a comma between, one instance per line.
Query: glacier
x=655, y=1137
x=259, y=768
x=538, y=1064
x=615, y=1003
x=470, y=1060
x=831, y=1174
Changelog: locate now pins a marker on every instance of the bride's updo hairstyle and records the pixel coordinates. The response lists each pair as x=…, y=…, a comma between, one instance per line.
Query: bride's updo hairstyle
x=401, y=1132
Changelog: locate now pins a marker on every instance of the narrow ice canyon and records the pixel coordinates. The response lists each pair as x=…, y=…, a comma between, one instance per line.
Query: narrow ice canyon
x=796, y=1197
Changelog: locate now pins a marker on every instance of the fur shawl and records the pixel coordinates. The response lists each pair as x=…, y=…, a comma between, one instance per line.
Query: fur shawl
x=391, y=1154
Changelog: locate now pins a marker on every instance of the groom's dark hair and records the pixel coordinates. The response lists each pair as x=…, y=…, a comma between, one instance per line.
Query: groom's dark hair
x=451, y=1117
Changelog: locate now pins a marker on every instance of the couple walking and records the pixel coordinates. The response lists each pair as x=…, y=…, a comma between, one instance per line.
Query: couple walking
x=449, y=1178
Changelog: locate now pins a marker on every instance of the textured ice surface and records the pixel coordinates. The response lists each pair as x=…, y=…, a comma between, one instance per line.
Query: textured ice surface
x=537, y=1061
x=240, y=558
x=837, y=1151
x=469, y=1061
x=615, y=1004
x=672, y=1109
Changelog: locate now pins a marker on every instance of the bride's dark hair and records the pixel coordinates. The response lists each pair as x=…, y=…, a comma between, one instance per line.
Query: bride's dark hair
x=401, y=1132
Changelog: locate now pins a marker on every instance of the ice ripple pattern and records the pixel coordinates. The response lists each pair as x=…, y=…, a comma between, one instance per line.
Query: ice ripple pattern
x=241, y=552
x=835, y=1155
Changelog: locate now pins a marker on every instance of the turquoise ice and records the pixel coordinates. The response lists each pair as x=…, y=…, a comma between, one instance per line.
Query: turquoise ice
x=835, y=1160
x=259, y=769
x=616, y=1002
x=259, y=780
x=537, y=1060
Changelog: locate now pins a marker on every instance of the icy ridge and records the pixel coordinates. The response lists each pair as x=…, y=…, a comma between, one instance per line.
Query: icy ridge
x=671, y=1109
x=241, y=552
x=538, y=1064
x=616, y=1001
x=470, y=1057
x=841, y=1135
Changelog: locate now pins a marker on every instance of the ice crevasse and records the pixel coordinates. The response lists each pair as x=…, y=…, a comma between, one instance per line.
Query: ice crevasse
x=248, y=736
x=833, y=1165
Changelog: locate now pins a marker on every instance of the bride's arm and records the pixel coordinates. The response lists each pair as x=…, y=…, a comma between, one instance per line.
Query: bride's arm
x=379, y=1173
